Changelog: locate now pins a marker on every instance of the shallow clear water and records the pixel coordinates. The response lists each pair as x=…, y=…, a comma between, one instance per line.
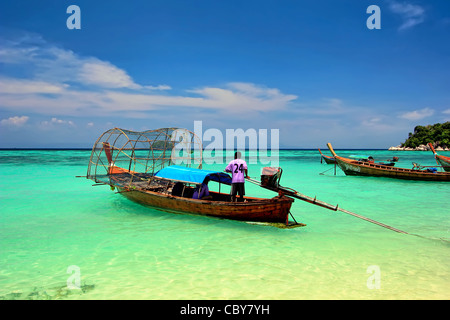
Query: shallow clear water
x=51, y=221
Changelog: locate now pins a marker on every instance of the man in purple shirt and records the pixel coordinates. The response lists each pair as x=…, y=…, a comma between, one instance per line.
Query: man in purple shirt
x=239, y=172
x=202, y=191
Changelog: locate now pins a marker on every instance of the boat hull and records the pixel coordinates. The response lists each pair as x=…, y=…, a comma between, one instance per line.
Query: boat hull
x=329, y=160
x=444, y=161
x=256, y=209
x=357, y=168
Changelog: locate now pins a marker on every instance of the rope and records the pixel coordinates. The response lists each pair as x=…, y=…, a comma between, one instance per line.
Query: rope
x=322, y=173
x=372, y=221
x=292, y=193
x=302, y=197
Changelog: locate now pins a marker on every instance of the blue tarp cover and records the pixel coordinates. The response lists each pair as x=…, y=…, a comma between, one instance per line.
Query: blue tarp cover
x=192, y=175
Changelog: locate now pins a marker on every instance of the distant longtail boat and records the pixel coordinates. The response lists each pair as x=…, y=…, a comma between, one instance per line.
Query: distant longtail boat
x=363, y=168
x=327, y=159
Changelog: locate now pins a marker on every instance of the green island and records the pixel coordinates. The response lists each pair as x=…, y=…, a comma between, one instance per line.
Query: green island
x=438, y=134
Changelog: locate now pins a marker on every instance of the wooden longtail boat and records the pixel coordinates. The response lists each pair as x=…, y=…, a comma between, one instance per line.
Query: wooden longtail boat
x=440, y=159
x=332, y=160
x=360, y=168
x=327, y=159
x=147, y=167
x=159, y=192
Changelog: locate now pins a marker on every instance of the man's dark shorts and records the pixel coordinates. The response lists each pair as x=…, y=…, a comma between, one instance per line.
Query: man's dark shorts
x=237, y=188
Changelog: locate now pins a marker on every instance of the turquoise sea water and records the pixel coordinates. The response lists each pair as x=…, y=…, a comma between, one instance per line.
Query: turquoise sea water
x=52, y=223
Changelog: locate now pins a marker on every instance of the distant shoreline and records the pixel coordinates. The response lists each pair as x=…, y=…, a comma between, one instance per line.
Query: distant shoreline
x=422, y=147
x=398, y=148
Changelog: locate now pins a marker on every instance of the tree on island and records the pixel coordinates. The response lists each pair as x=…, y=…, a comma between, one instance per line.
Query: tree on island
x=438, y=134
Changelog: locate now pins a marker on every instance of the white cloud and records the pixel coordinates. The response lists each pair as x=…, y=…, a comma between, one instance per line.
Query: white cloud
x=326, y=107
x=159, y=87
x=375, y=125
x=446, y=115
x=411, y=14
x=56, y=121
x=71, y=102
x=14, y=121
x=417, y=114
x=243, y=97
x=23, y=86
x=49, y=63
x=332, y=106
x=104, y=74
x=63, y=83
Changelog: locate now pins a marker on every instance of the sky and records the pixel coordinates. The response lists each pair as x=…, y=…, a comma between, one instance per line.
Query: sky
x=313, y=70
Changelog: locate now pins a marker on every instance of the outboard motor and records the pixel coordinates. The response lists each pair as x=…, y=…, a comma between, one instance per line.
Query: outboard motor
x=270, y=177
